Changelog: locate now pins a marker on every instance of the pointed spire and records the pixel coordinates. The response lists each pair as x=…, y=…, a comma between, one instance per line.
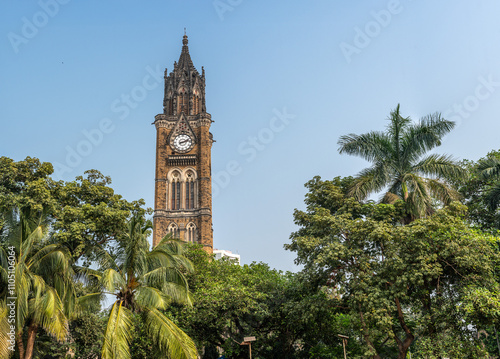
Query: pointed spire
x=185, y=61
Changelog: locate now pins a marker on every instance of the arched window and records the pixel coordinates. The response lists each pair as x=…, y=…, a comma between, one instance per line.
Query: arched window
x=175, y=192
x=190, y=192
x=183, y=101
x=173, y=230
x=182, y=189
x=191, y=232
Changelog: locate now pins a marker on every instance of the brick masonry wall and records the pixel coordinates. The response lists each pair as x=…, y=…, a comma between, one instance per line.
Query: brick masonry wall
x=201, y=216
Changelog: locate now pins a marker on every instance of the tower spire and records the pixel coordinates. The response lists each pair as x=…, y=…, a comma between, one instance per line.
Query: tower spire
x=185, y=61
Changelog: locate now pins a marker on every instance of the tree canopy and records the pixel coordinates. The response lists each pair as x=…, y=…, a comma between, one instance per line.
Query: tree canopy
x=417, y=285
x=400, y=165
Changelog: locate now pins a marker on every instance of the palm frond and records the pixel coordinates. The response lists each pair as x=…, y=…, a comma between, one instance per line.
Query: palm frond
x=4, y=265
x=442, y=192
x=372, y=146
x=27, y=243
x=49, y=313
x=170, y=253
x=493, y=197
x=440, y=166
x=171, y=281
x=179, y=293
x=489, y=168
x=104, y=259
x=5, y=353
x=369, y=180
x=418, y=200
x=51, y=258
x=118, y=333
x=149, y=297
x=87, y=302
x=24, y=285
x=396, y=128
x=85, y=274
x=425, y=135
x=112, y=279
x=170, y=339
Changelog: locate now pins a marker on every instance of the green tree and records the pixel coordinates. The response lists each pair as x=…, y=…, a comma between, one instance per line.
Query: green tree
x=489, y=170
x=86, y=333
x=82, y=214
x=290, y=314
x=227, y=302
x=43, y=280
x=144, y=282
x=419, y=284
x=399, y=164
x=475, y=191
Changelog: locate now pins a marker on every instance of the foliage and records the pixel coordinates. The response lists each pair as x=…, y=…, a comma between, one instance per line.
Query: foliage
x=398, y=163
x=289, y=314
x=489, y=170
x=430, y=279
x=82, y=214
x=43, y=288
x=226, y=298
x=475, y=190
x=144, y=282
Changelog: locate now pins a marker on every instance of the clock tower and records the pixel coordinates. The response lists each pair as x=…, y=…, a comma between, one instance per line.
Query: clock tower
x=183, y=180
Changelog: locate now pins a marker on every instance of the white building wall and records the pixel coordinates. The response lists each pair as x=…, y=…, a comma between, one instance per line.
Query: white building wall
x=221, y=253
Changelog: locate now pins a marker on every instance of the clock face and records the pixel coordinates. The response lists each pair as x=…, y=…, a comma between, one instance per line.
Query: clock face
x=183, y=142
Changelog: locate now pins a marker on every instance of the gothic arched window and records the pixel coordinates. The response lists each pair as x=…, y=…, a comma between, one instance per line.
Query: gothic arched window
x=173, y=230
x=175, y=193
x=183, y=101
x=190, y=191
x=191, y=233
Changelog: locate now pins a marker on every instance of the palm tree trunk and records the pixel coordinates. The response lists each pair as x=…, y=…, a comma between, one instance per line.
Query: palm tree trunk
x=30, y=344
x=20, y=344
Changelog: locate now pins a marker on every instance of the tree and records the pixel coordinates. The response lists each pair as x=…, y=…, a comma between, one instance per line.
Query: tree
x=227, y=301
x=417, y=285
x=290, y=314
x=398, y=163
x=43, y=280
x=144, y=282
x=489, y=170
x=476, y=190
x=81, y=214
x=85, y=336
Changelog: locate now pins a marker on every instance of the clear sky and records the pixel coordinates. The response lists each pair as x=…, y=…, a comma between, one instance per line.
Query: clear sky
x=285, y=79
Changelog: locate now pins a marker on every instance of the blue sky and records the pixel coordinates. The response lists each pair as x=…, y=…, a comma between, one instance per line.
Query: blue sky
x=285, y=79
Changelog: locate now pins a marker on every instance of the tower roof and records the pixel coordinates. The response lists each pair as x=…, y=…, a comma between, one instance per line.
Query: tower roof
x=185, y=62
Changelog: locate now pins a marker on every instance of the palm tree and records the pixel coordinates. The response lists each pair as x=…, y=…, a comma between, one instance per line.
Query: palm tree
x=5, y=339
x=43, y=287
x=399, y=165
x=144, y=282
x=489, y=169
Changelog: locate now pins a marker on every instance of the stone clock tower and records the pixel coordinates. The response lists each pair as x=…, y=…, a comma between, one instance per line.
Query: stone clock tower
x=183, y=183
